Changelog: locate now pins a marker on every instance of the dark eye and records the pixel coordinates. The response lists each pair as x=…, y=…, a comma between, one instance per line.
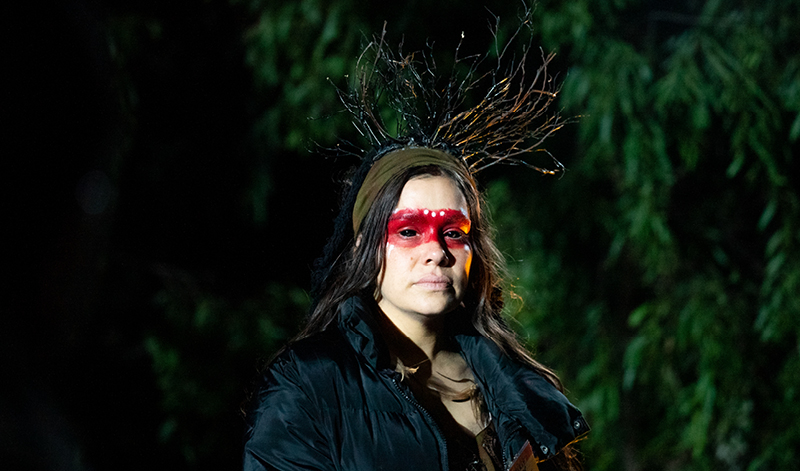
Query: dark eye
x=408, y=233
x=454, y=234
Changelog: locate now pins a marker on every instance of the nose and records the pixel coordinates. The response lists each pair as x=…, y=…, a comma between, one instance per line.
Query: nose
x=436, y=253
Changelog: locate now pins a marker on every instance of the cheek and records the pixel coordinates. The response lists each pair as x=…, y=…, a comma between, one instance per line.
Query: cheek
x=397, y=258
x=467, y=258
x=454, y=244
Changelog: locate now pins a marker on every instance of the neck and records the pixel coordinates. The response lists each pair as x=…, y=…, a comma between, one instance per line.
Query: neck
x=420, y=343
x=414, y=338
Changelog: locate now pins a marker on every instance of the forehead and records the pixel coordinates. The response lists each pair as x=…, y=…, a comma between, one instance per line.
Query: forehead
x=432, y=192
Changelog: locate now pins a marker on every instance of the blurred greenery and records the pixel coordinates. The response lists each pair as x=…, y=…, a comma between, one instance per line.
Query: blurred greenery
x=660, y=276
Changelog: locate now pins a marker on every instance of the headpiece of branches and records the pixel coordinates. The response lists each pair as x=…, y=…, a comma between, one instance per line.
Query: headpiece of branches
x=398, y=99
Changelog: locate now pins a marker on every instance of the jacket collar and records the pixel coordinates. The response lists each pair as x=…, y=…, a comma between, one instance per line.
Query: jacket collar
x=515, y=394
x=358, y=322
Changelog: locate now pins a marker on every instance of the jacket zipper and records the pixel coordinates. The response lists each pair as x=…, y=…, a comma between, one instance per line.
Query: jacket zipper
x=436, y=431
x=507, y=459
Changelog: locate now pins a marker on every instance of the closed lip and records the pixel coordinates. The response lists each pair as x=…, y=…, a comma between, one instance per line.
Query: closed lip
x=434, y=282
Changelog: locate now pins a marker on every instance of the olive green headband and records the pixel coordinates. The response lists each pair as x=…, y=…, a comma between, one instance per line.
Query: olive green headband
x=391, y=165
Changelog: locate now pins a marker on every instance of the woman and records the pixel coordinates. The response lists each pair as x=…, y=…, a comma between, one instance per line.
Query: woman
x=406, y=362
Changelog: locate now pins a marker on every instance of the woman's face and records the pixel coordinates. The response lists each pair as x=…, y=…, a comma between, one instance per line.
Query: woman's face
x=428, y=252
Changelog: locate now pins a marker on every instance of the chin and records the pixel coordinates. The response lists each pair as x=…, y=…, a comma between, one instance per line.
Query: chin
x=436, y=308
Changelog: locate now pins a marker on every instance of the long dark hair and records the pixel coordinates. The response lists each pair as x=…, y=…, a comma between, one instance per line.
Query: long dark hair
x=355, y=270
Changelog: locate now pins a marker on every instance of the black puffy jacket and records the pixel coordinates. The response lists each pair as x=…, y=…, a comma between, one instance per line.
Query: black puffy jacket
x=331, y=402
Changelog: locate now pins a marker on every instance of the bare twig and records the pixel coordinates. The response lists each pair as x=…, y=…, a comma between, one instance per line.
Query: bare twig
x=511, y=119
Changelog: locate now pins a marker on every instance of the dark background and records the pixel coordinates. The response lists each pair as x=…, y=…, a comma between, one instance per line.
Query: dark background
x=166, y=200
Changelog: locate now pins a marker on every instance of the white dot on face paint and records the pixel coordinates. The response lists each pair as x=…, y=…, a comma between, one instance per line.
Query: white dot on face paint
x=425, y=212
x=441, y=213
x=433, y=213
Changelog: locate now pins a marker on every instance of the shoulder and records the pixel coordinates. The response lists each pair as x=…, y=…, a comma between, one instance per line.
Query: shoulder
x=311, y=356
x=293, y=383
x=288, y=426
x=303, y=360
x=316, y=373
x=349, y=346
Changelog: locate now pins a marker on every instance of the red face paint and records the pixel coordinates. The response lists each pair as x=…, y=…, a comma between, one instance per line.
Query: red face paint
x=413, y=227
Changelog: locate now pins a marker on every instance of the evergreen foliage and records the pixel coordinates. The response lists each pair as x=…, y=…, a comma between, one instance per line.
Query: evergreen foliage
x=679, y=337
x=660, y=276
